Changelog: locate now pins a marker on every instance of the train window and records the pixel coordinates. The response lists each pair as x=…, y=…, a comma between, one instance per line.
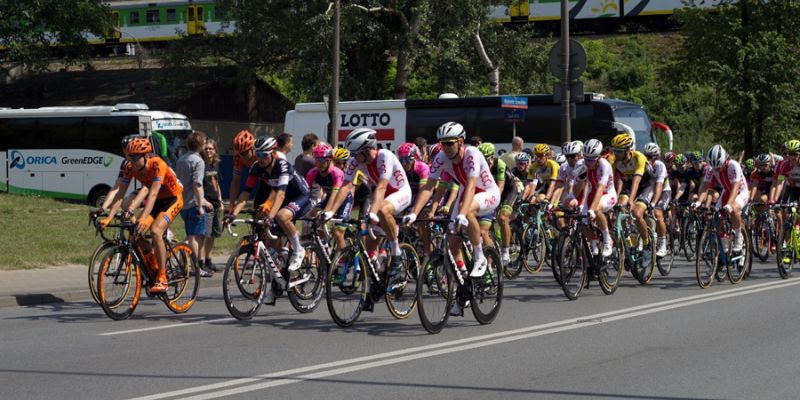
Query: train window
x=200, y=13
x=134, y=17
x=153, y=17
x=191, y=13
x=171, y=15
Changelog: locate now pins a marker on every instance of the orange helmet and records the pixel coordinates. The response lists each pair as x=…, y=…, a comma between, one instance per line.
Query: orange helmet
x=139, y=146
x=243, y=141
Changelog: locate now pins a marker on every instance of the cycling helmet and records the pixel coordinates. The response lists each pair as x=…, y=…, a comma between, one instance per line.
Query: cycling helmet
x=360, y=139
x=717, y=156
x=323, y=150
x=487, y=149
x=529, y=152
x=435, y=149
x=763, y=159
x=580, y=171
x=571, y=148
x=522, y=157
x=408, y=150
x=749, y=164
x=243, y=141
x=340, y=154
x=541, y=149
x=593, y=148
x=680, y=159
x=139, y=146
x=560, y=158
x=128, y=139
x=450, y=131
x=793, y=146
x=622, y=141
x=265, y=144
x=652, y=149
x=695, y=156
x=670, y=156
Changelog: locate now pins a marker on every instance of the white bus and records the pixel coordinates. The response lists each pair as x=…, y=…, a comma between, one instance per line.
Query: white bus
x=74, y=152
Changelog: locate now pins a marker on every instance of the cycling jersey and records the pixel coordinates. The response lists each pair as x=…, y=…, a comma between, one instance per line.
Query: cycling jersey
x=328, y=182
x=636, y=164
x=386, y=166
x=786, y=170
x=418, y=176
x=282, y=177
x=544, y=173
x=762, y=180
x=731, y=174
x=472, y=165
x=240, y=163
x=155, y=170
x=601, y=178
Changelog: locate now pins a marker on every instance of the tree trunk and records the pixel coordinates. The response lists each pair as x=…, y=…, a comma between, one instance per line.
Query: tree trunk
x=405, y=54
x=494, y=70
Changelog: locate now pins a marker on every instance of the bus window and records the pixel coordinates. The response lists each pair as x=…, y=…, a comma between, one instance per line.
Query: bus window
x=637, y=119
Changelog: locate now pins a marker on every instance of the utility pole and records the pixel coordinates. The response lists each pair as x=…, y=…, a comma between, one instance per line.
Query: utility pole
x=333, y=107
x=566, y=131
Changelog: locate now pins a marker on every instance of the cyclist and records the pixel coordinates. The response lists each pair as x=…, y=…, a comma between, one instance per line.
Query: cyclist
x=244, y=156
x=601, y=195
x=560, y=158
x=659, y=193
x=521, y=171
x=329, y=178
x=391, y=193
x=734, y=196
x=508, y=186
x=289, y=196
x=479, y=194
x=164, y=201
x=761, y=178
x=543, y=170
x=565, y=182
x=630, y=169
x=417, y=173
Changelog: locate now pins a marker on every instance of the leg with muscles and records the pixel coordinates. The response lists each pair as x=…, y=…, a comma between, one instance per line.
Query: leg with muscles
x=285, y=219
x=393, y=204
x=157, y=230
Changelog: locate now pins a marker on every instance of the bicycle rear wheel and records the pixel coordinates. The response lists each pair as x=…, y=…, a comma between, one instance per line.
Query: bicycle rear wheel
x=183, y=279
x=244, y=283
x=692, y=234
x=401, y=289
x=487, y=291
x=435, y=293
x=574, y=267
x=761, y=238
x=119, y=283
x=707, y=259
x=664, y=264
x=612, y=268
x=787, y=255
x=514, y=268
x=307, y=296
x=94, y=267
x=534, y=257
x=646, y=261
x=346, y=286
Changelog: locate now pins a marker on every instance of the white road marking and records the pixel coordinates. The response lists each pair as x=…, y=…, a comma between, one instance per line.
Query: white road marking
x=416, y=353
x=170, y=326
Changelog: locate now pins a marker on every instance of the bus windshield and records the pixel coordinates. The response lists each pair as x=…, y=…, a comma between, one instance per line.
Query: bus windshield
x=637, y=119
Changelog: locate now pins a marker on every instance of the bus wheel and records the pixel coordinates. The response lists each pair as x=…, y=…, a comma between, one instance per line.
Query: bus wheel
x=97, y=196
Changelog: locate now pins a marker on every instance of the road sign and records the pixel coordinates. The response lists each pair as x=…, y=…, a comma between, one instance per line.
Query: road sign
x=577, y=60
x=519, y=103
x=514, y=115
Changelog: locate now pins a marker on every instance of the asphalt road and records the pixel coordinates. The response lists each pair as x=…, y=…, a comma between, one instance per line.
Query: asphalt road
x=668, y=340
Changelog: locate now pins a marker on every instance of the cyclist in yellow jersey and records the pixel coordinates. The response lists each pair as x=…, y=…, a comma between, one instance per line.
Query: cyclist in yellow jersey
x=630, y=172
x=545, y=173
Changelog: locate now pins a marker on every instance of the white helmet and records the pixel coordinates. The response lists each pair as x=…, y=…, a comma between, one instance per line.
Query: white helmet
x=560, y=158
x=359, y=139
x=717, y=156
x=450, y=131
x=571, y=148
x=652, y=149
x=593, y=148
x=579, y=172
x=265, y=144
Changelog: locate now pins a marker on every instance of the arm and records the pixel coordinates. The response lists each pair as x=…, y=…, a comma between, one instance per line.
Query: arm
x=634, y=188
x=116, y=201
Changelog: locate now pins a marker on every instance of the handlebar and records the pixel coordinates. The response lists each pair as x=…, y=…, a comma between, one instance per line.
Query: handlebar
x=250, y=221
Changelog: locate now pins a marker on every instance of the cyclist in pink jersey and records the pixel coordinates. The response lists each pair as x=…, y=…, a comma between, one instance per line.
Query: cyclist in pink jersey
x=735, y=195
x=329, y=178
x=479, y=192
x=391, y=193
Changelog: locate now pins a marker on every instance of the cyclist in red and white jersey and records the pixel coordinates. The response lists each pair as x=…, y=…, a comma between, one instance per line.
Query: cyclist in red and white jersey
x=479, y=194
x=573, y=152
x=391, y=193
x=601, y=194
x=735, y=195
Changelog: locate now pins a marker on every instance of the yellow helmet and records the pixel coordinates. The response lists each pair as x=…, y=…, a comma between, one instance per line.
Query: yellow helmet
x=340, y=154
x=622, y=141
x=541, y=149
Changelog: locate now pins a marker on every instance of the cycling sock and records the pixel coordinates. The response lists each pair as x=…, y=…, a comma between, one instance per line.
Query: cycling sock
x=505, y=250
x=396, y=248
x=296, y=242
x=478, y=251
x=606, y=236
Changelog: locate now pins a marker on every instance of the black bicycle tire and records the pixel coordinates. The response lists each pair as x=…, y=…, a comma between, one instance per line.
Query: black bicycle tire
x=133, y=272
x=301, y=302
x=568, y=248
x=181, y=271
x=92, y=269
x=493, y=259
x=234, y=271
x=701, y=260
x=442, y=270
x=363, y=289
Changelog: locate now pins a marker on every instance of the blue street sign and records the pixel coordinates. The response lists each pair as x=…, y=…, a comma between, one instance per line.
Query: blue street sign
x=514, y=115
x=519, y=103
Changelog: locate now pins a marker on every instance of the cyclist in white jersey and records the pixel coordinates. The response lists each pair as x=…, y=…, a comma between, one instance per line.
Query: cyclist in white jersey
x=479, y=194
x=573, y=153
x=597, y=175
x=657, y=192
x=390, y=195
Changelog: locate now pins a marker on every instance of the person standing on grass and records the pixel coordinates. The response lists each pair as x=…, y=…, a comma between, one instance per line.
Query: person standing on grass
x=306, y=161
x=285, y=145
x=213, y=195
x=190, y=169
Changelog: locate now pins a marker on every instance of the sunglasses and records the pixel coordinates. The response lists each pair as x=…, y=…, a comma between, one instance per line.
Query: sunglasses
x=590, y=160
x=449, y=143
x=263, y=154
x=322, y=160
x=135, y=157
x=571, y=156
x=406, y=160
x=620, y=151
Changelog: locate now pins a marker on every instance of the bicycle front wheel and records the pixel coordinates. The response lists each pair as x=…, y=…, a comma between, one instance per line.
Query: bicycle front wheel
x=664, y=264
x=739, y=264
x=574, y=267
x=183, y=279
x=94, y=267
x=244, y=283
x=487, y=291
x=119, y=283
x=514, y=268
x=306, y=296
x=346, y=286
x=707, y=259
x=535, y=249
x=435, y=293
x=401, y=289
x=787, y=255
x=612, y=268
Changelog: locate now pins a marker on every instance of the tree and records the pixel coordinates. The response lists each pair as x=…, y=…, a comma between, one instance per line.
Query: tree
x=747, y=52
x=29, y=27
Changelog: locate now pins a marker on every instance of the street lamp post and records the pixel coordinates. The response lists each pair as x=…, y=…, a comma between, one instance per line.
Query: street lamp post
x=333, y=107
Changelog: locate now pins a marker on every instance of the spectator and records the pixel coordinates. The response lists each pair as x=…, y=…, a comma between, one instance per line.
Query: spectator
x=190, y=170
x=516, y=148
x=422, y=145
x=305, y=161
x=213, y=195
x=285, y=145
x=475, y=141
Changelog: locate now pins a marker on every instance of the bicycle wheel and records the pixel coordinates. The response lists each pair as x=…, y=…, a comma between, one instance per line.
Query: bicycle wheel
x=739, y=264
x=435, y=293
x=612, y=268
x=646, y=262
x=574, y=267
x=487, y=291
x=664, y=264
x=346, y=286
x=534, y=257
x=787, y=255
x=707, y=258
x=515, y=266
x=307, y=295
x=401, y=289
x=183, y=279
x=692, y=231
x=119, y=283
x=555, y=264
x=761, y=239
x=94, y=267
x=244, y=283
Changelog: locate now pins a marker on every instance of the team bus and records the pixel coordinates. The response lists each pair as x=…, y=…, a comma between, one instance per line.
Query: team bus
x=398, y=121
x=74, y=152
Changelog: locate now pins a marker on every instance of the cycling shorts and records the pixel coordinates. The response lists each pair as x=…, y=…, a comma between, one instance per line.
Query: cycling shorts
x=168, y=208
